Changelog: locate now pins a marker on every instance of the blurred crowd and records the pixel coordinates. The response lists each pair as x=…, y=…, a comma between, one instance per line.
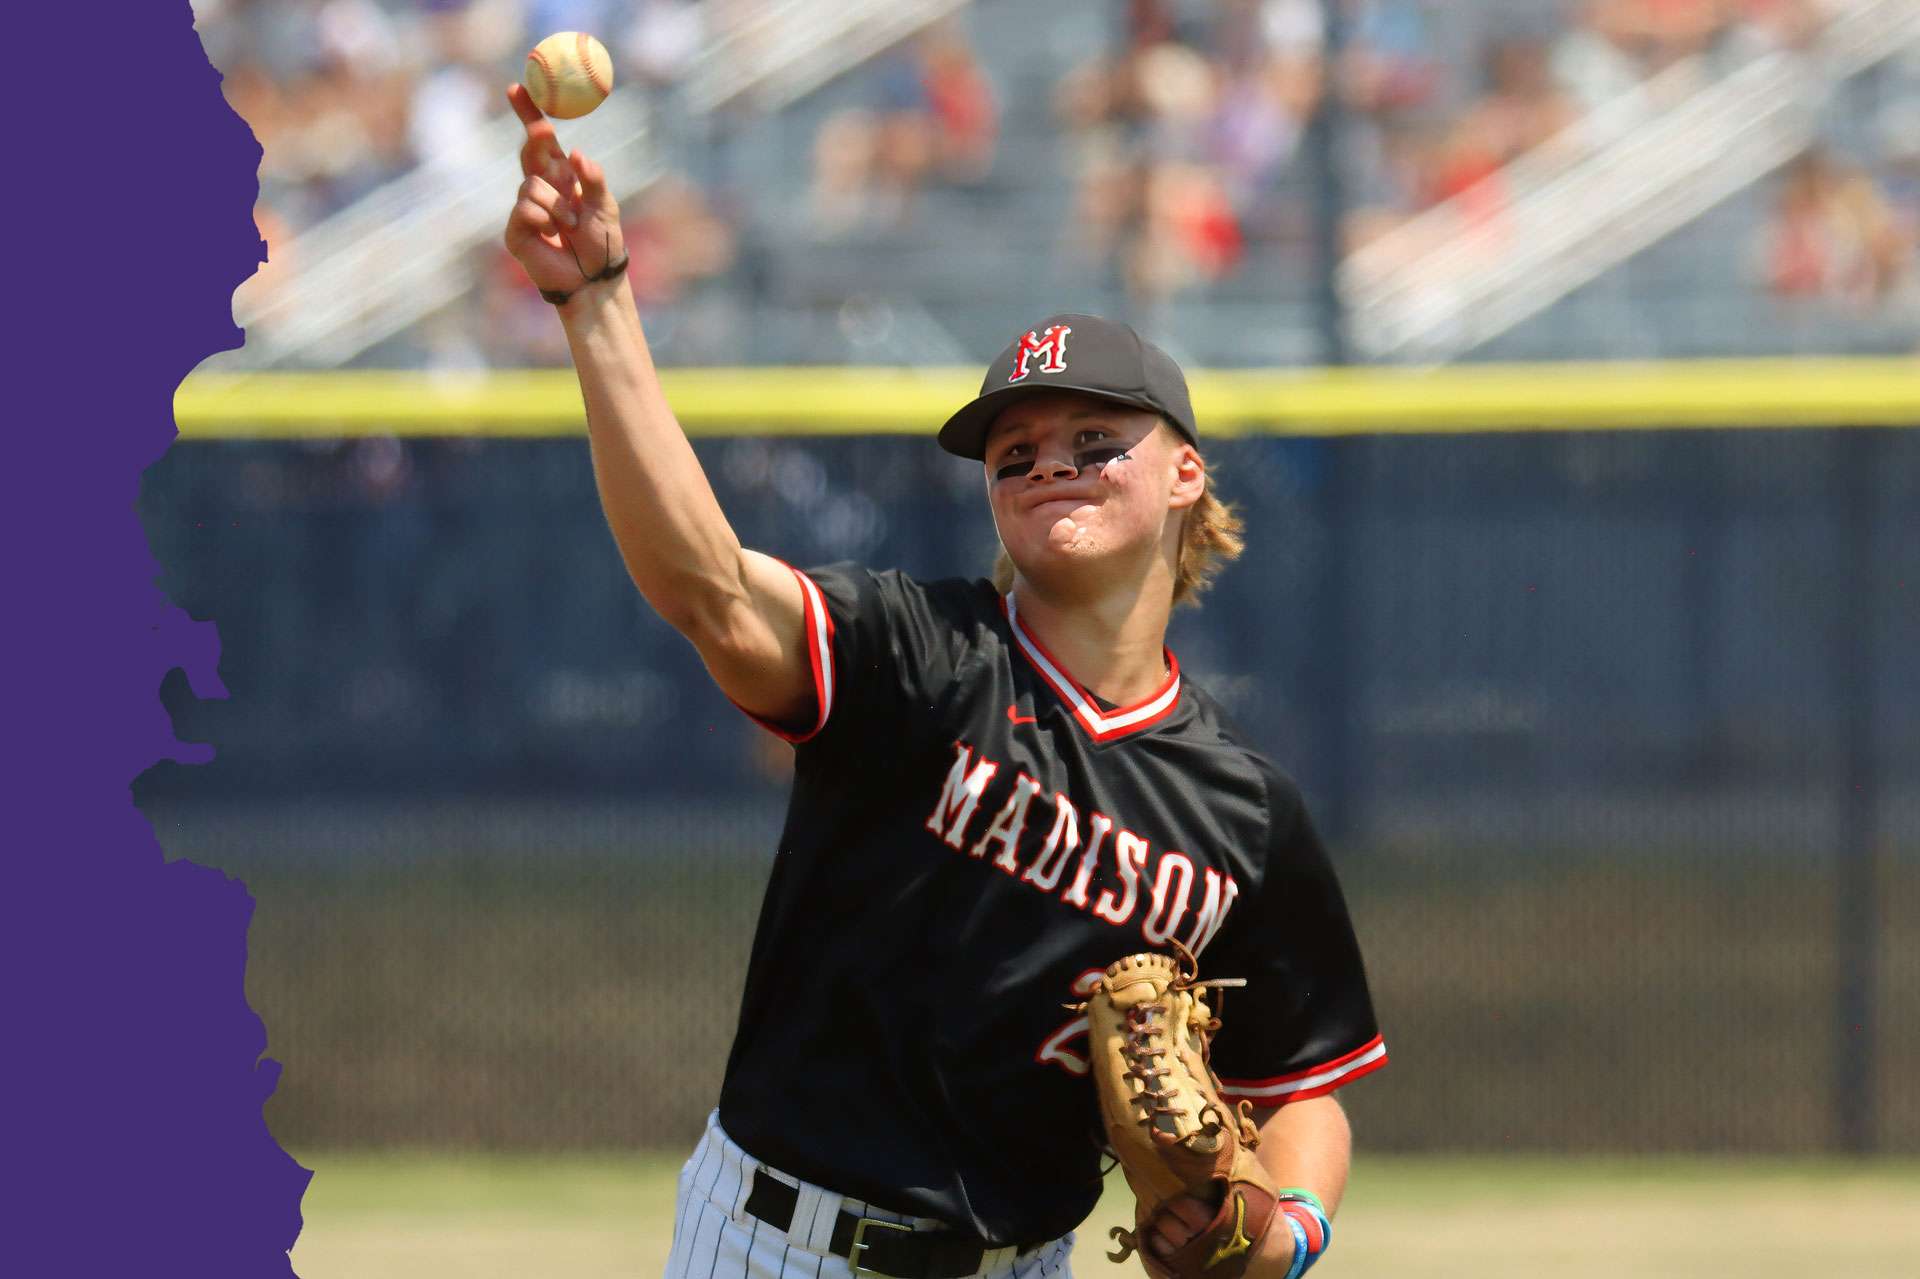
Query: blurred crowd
x=932, y=119
x=1183, y=141
x=1838, y=235
x=1188, y=138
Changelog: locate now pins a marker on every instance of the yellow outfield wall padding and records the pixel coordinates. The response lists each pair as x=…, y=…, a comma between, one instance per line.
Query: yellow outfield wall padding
x=1228, y=402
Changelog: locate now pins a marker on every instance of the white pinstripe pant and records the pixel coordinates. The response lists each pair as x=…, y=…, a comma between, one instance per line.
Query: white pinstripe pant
x=715, y=1238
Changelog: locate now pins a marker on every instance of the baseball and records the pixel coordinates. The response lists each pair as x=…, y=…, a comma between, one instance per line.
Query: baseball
x=568, y=74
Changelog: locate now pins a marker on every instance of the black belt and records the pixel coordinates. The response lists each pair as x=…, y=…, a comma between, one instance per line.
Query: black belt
x=874, y=1246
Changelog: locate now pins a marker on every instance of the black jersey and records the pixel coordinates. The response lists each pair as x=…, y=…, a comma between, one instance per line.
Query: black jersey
x=972, y=837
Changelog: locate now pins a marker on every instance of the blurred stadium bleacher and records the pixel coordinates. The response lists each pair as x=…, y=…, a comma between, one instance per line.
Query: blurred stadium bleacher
x=1158, y=160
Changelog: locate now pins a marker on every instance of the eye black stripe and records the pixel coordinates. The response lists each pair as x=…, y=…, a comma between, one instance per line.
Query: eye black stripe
x=1081, y=461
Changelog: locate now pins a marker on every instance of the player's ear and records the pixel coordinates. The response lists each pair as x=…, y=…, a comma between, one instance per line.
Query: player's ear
x=1189, y=475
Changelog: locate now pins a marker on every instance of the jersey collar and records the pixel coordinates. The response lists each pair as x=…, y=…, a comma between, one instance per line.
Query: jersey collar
x=1101, y=725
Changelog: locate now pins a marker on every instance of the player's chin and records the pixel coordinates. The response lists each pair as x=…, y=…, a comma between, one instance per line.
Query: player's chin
x=1074, y=550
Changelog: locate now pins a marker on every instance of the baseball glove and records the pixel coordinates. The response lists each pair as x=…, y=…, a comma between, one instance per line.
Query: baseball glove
x=1149, y=1031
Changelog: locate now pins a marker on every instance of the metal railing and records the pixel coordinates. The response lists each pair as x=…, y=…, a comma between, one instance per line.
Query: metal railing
x=784, y=50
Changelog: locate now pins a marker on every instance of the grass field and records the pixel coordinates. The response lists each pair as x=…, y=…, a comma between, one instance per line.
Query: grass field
x=422, y=1217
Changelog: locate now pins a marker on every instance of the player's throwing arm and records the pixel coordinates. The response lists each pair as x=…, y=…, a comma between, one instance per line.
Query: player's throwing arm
x=742, y=610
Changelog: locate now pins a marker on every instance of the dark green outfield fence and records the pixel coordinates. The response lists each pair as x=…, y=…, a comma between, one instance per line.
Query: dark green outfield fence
x=1617, y=737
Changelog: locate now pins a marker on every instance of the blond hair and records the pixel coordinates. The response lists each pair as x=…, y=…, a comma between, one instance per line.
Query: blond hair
x=1211, y=537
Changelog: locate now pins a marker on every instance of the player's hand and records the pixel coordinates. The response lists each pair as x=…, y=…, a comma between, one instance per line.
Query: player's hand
x=1182, y=1219
x=1188, y=1216
x=564, y=225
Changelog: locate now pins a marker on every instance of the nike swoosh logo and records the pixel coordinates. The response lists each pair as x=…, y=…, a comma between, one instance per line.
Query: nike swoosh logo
x=1014, y=716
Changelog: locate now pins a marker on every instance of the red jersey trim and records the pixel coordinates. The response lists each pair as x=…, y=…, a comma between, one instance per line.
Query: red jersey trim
x=819, y=624
x=1315, y=1081
x=1102, y=726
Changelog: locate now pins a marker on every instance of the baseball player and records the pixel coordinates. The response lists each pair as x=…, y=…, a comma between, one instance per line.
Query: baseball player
x=999, y=789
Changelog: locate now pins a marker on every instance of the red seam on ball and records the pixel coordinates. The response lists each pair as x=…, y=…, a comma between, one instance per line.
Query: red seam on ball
x=553, y=84
x=585, y=42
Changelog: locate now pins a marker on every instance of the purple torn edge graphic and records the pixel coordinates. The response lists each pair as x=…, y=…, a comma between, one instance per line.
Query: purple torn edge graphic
x=136, y=1142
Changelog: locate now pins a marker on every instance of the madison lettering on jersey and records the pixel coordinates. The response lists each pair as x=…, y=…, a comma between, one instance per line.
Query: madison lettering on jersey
x=1157, y=891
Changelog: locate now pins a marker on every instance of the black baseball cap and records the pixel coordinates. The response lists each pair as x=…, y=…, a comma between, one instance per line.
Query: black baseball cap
x=1073, y=352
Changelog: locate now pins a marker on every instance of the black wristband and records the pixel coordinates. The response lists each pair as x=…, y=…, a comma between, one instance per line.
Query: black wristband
x=611, y=271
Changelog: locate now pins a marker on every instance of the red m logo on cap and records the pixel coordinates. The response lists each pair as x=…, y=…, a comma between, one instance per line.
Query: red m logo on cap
x=1052, y=344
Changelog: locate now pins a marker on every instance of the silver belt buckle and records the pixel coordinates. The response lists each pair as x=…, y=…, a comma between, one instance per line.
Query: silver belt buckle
x=860, y=1243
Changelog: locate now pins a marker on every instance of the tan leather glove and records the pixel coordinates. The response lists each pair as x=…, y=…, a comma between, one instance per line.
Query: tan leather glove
x=1149, y=1031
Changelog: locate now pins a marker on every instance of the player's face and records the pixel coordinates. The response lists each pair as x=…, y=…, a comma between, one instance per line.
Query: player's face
x=1075, y=478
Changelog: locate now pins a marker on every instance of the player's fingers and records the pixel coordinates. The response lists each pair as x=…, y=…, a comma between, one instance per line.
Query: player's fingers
x=1191, y=1212
x=593, y=178
x=529, y=226
x=526, y=225
x=595, y=200
x=540, y=152
x=523, y=231
x=523, y=106
x=534, y=157
x=539, y=190
x=540, y=193
x=1177, y=1222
